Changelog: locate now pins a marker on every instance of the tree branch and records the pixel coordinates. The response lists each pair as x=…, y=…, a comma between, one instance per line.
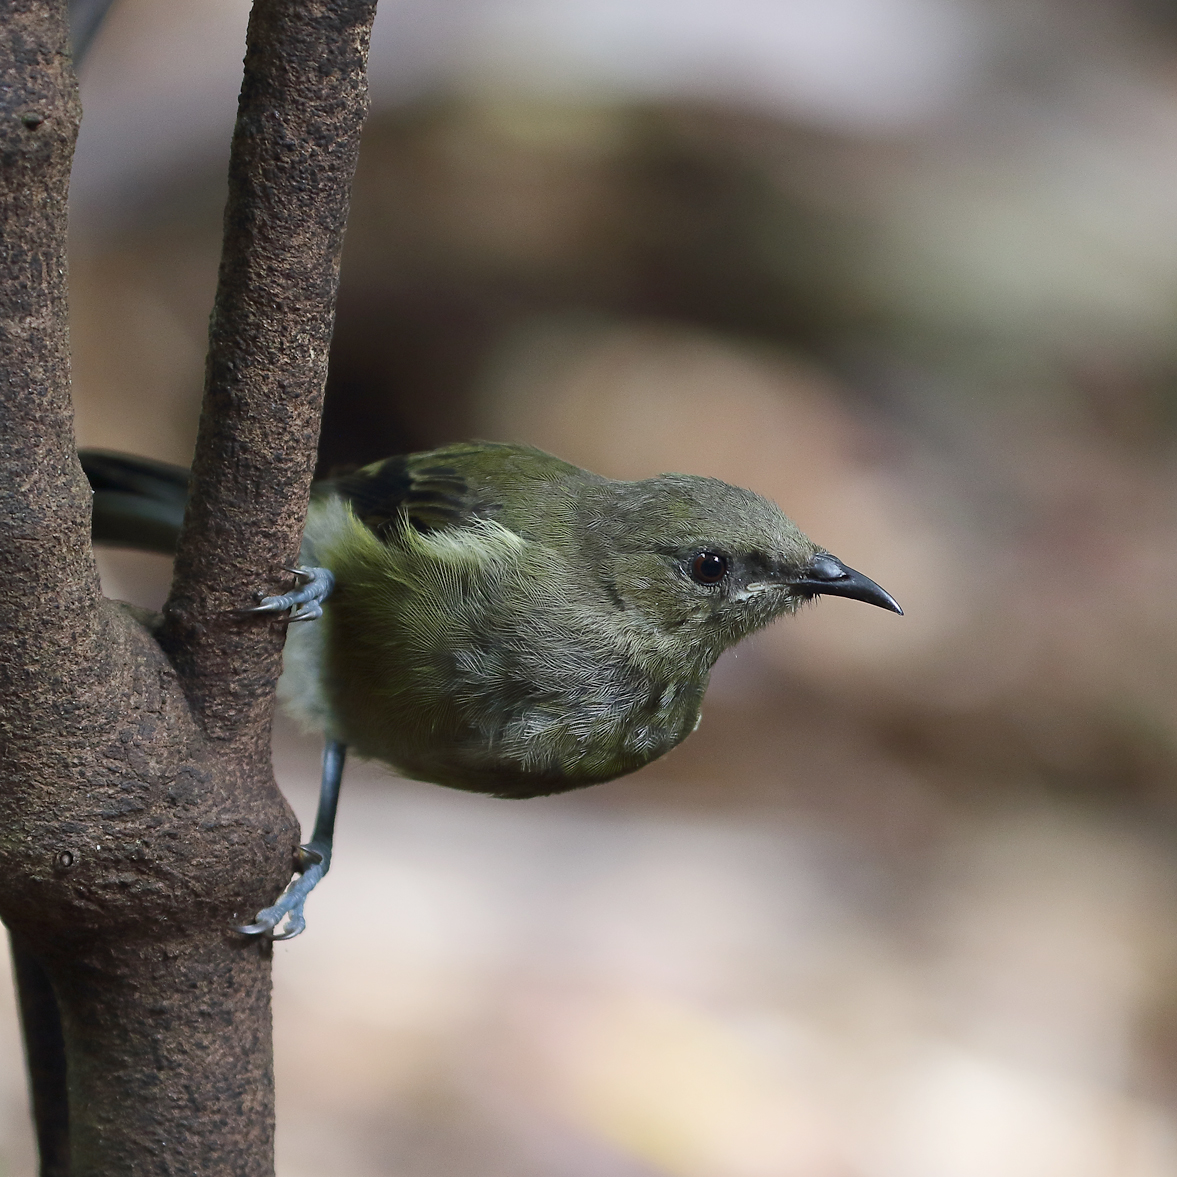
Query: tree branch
x=139, y=818
x=294, y=153
x=49, y=594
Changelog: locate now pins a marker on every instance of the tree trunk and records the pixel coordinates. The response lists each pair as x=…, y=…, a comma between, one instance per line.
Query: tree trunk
x=139, y=817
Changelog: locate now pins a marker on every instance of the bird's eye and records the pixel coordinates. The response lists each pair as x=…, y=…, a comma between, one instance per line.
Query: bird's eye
x=708, y=568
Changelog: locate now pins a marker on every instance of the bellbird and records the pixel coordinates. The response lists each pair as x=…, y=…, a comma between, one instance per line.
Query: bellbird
x=502, y=621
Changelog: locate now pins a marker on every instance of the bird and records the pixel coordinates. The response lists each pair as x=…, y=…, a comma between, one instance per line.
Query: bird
x=489, y=617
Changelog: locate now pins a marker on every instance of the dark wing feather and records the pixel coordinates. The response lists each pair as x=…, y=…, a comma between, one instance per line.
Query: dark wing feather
x=455, y=485
x=429, y=491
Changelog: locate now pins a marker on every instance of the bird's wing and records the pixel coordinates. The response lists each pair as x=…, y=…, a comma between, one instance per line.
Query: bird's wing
x=448, y=487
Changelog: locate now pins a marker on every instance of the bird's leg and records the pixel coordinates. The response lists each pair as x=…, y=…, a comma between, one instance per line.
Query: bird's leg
x=314, y=857
x=305, y=602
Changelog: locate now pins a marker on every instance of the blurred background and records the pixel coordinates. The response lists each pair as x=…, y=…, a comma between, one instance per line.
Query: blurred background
x=905, y=905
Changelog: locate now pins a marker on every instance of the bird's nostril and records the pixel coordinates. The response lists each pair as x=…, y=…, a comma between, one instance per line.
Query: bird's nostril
x=826, y=568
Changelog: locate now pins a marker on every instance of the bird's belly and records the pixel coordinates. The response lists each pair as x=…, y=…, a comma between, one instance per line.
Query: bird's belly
x=489, y=710
x=546, y=743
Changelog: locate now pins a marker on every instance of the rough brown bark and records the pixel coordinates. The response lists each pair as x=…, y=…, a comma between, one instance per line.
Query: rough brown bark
x=139, y=818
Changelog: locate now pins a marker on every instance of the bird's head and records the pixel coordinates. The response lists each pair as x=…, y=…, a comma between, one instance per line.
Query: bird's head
x=705, y=564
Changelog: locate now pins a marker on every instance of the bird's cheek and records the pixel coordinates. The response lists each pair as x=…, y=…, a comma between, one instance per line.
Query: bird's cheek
x=676, y=613
x=643, y=581
x=753, y=612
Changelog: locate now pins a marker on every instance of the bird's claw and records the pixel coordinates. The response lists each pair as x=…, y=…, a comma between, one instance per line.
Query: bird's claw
x=305, y=602
x=312, y=864
x=313, y=860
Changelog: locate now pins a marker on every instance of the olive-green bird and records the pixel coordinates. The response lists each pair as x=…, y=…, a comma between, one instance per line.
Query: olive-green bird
x=503, y=621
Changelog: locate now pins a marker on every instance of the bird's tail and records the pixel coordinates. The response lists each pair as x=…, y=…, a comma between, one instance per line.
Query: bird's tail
x=138, y=502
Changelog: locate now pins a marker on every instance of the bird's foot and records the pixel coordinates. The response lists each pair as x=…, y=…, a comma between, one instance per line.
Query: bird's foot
x=313, y=863
x=305, y=602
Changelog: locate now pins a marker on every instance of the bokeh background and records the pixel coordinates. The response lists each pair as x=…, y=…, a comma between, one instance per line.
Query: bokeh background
x=906, y=905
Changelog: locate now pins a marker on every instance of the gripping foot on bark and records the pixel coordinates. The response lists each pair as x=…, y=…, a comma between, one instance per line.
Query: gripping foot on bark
x=305, y=602
x=314, y=857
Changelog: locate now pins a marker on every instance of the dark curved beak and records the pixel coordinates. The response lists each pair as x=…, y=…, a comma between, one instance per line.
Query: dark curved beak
x=827, y=576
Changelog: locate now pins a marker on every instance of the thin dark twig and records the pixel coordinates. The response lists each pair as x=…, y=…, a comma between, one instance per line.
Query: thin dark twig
x=85, y=19
x=40, y=1022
